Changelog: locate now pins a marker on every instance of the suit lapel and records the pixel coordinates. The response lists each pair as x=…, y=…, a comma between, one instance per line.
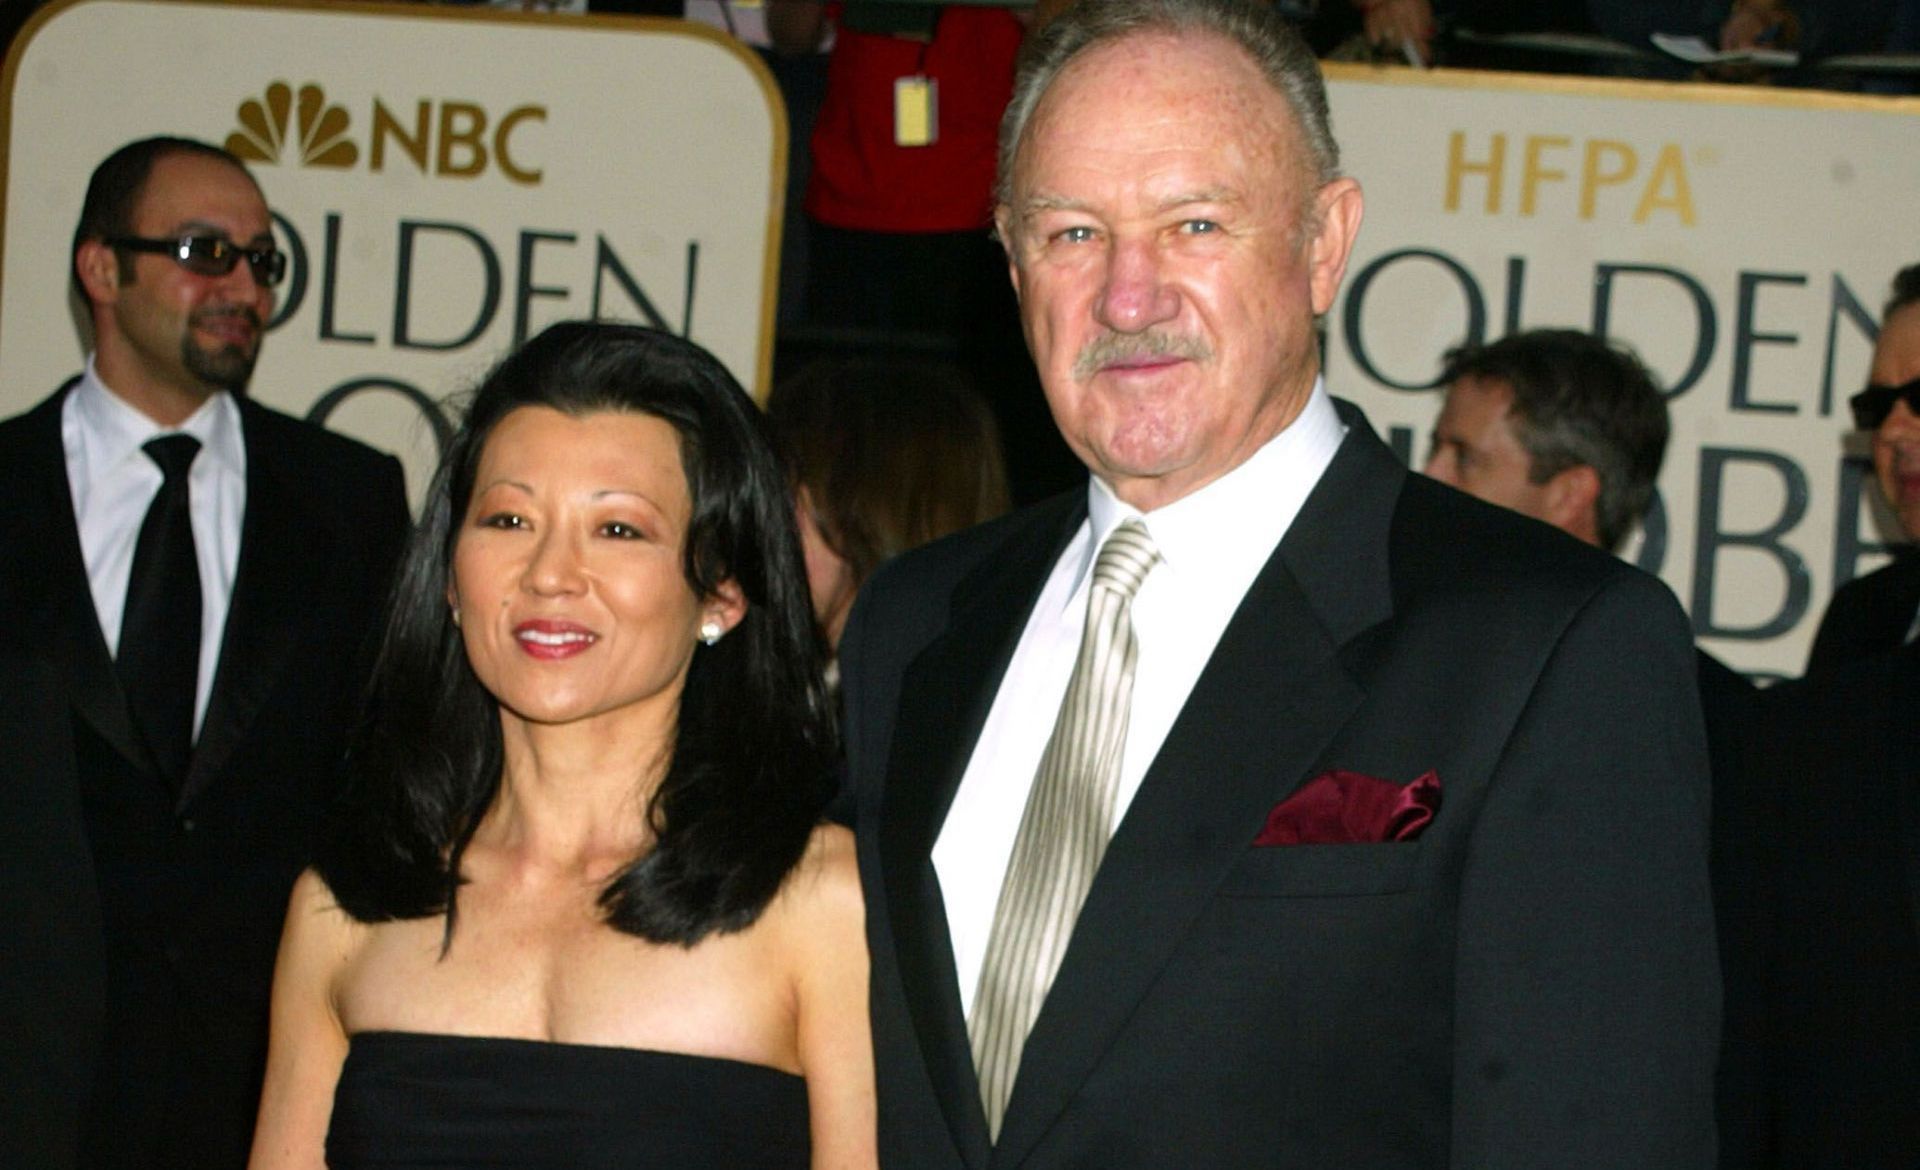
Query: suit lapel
x=1905, y=595
x=63, y=587
x=945, y=698
x=1269, y=702
x=266, y=611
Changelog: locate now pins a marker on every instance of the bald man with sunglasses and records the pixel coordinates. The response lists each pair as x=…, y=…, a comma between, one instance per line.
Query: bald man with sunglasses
x=1881, y=611
x=201, y=577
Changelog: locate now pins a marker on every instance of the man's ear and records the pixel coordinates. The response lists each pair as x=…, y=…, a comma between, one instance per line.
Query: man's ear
x=98, y=268
x=1573, y=501
x=1338, y=209
x=1003, y=231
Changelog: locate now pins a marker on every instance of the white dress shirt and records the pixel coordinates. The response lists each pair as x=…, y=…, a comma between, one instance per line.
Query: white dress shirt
x=113, y=482
x=1212, y=543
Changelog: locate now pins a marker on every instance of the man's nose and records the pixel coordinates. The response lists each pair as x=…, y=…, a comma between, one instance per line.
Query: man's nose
x=242, y=284
x=1901, y=425
x=1136, y=295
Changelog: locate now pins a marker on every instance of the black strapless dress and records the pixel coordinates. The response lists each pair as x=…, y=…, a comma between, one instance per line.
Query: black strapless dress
x=408, y=1099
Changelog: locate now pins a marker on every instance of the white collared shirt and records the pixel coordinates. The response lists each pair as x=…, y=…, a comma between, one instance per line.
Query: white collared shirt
x=113, y=482
x=1212, y=543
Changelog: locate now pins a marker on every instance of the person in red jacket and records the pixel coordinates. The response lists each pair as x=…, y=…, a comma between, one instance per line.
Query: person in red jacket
x=900, y=194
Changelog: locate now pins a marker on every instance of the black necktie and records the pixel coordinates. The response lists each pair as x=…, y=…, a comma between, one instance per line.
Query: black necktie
x=159, y=659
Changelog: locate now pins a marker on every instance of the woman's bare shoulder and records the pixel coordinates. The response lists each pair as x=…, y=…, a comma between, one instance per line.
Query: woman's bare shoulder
x=318, y=930
x=312, y=896
x=825, y=885
x=831, y=853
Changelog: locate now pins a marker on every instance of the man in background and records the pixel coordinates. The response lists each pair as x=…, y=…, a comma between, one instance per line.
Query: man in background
x=1554, y=424
x=203, y=576
x=1880, y=611
x=1835, y=805
x=1566, y=428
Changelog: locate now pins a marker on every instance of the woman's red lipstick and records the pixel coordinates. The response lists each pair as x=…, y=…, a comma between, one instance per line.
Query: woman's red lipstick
x=544, y=638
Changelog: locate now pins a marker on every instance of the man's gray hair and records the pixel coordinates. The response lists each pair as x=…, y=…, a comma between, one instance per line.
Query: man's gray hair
x=1273, y=44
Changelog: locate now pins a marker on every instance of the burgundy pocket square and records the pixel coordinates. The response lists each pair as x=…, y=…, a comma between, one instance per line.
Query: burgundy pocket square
x=1345, y=808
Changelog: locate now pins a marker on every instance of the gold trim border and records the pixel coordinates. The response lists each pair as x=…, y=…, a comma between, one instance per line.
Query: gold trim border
x=1633, y=89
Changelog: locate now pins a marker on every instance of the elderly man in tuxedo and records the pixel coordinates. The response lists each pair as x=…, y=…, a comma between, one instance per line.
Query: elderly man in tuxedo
x=1261, y=804
x=202, y=576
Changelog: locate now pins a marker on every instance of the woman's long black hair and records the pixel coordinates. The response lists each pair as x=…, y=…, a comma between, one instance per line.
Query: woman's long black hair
x=751, y=766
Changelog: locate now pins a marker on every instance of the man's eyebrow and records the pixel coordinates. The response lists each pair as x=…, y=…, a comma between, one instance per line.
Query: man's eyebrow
x=1039, y=204
x=201, y=227
x=1044, y=202
x=1202, y=195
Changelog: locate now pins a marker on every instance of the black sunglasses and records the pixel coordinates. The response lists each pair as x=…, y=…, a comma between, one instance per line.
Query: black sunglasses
x=1872, y=405
x=211, y=255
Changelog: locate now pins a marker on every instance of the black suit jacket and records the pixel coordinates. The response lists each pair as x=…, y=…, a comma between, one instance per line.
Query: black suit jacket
x=1836, y=814
x=52, y=992
x=1868, y=615
x=1742, y=864
x=1529, y=984
x=190, y=889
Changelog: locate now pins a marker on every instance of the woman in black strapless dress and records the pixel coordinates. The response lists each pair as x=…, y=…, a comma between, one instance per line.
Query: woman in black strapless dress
x=581, y=911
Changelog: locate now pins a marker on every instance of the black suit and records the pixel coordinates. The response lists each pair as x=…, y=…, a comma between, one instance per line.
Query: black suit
x=191, y=888
x=1742, y=867
x=1836, y=819
x=1868, y=615
x=52, y=995
x=1530, y=984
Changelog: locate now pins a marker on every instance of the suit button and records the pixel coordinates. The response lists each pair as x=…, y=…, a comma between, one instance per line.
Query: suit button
x=187, y=825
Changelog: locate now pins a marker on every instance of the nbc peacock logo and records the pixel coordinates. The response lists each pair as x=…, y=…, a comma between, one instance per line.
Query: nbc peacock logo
x=447, y=138
x=319, y=130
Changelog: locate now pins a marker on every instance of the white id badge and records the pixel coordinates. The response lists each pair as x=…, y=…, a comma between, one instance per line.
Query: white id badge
x=916, y=111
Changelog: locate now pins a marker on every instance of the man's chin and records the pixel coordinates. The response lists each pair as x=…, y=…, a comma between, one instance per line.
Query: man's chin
x=228, y=367
x=1909, y=518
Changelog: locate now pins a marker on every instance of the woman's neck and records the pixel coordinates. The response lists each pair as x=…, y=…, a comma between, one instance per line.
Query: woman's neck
x=575, y=796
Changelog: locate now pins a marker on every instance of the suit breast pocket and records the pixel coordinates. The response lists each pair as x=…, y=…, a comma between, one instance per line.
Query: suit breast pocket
x=1323, y=871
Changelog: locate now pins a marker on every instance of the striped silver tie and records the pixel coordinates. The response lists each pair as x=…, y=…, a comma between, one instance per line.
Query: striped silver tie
x=1065, y=827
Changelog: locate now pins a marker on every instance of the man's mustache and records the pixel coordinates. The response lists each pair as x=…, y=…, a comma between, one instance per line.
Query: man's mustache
x=1109, y=348
x=246, y=313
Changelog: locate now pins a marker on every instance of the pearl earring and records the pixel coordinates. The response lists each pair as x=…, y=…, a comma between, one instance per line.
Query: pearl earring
x=710, y=631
